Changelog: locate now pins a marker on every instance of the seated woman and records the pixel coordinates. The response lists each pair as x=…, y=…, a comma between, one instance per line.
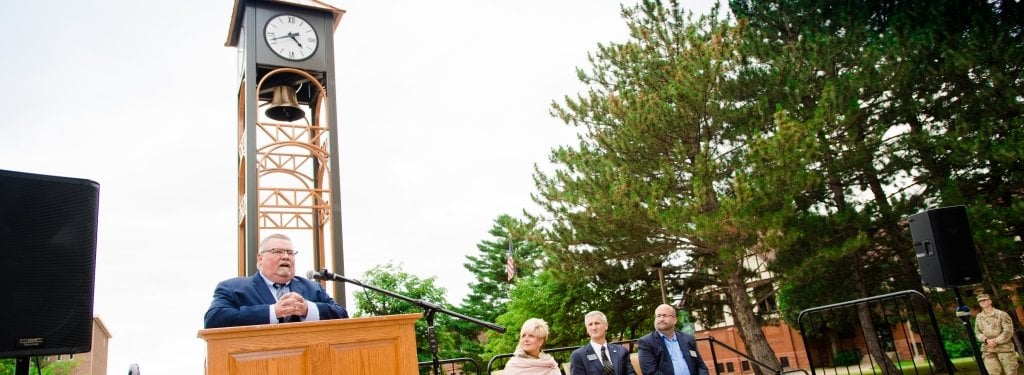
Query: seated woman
x=528, y=359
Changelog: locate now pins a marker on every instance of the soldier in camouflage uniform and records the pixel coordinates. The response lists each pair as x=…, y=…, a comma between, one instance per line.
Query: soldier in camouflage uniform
x=995, y=332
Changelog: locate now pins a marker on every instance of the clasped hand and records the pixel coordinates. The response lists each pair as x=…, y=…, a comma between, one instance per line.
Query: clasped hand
x=290, y=304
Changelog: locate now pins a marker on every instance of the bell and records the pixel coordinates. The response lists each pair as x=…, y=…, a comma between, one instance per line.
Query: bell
x=284, y=106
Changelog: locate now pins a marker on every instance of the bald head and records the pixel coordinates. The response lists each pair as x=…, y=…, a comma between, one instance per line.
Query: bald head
x=665, y=320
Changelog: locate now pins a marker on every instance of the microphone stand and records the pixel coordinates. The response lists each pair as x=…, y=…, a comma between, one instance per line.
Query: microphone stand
x=429, y=309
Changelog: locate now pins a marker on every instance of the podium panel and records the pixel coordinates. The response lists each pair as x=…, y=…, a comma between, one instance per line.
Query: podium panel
x=373, y=345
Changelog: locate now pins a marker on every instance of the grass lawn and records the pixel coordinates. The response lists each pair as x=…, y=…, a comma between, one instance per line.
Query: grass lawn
x=964, y=366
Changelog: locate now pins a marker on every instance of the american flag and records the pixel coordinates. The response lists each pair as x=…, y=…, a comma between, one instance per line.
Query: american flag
x=510, y=265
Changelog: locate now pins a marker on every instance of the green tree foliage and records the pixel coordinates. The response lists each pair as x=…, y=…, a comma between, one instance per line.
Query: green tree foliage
x=901, y=97
x=540, y=296
x=46, y=366
x=956, y=344
x=660, y=173
x=391, y=277
x=805, y=133
x=490, y=291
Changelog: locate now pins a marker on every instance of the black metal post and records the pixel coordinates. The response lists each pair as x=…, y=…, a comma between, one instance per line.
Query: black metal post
x=21, y=366
x=964, y=313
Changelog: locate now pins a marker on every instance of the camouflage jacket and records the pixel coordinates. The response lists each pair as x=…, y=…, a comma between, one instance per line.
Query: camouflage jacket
x=997, y=326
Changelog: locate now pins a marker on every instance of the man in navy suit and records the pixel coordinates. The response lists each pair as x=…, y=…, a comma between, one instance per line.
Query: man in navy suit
x=591, y=359
x=667, y=351
x=272, y=295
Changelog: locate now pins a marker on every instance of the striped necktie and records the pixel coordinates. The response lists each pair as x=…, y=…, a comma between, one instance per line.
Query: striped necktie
x=606, y=364
x=280, y=290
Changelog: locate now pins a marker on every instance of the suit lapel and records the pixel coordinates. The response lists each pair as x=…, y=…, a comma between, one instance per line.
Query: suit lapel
x=261, y=289
x=613, y=355
x=682, y=348
x=595, y=365
x=298, y=287
x=685, y=351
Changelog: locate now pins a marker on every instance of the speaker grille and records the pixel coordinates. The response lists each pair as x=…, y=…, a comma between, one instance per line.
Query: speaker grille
x=48, y=251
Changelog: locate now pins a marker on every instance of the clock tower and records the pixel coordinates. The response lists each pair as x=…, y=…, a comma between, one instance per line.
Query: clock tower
x=288, y=179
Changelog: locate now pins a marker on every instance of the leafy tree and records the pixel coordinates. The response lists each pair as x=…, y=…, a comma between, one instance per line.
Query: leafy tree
x=392, y=278
x=490, y=291
x=659, y=162
x=539, y=296
x=890, y=91
x=831, y=58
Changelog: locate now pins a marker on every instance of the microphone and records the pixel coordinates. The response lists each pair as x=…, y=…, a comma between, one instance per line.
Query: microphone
x=323, y=275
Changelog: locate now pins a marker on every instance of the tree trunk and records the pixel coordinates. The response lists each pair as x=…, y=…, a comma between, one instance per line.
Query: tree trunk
x=930, y=338
x=866, y=323
x=871, y=340
x=749, y=328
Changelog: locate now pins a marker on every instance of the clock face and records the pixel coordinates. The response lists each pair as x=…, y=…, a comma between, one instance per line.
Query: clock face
x=290, y=37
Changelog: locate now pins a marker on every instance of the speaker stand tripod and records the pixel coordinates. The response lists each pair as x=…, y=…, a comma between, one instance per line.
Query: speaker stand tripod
x=21, y=365
x=964, y=313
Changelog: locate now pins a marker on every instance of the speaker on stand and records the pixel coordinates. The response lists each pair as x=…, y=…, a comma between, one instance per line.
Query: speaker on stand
x=946, y=257
x=945, y=247
x=48, y=259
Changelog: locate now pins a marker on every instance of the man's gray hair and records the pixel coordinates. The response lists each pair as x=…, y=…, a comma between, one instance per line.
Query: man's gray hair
x=596, y=313
x=275, y=235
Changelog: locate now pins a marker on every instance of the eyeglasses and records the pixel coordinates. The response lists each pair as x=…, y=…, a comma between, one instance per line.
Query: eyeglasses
x=664, y=316
x=281, y=251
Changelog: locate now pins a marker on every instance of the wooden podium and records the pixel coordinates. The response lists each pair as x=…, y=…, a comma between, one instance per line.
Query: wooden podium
x=373, y=345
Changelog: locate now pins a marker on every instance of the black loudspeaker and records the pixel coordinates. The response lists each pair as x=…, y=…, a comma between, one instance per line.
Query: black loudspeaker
x=944, y=247
x=47, y=264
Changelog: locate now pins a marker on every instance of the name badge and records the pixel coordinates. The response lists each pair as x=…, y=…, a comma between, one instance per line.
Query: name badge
x=591, y=357
x=693, y=353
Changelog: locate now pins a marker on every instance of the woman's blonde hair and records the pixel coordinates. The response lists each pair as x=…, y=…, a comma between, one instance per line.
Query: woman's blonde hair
x=537, y=326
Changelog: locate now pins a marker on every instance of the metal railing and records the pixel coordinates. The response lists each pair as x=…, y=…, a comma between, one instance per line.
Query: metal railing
x=836, y=322
x=764, y=366
x=563, y=354
x=910, y=340
x=454, y=366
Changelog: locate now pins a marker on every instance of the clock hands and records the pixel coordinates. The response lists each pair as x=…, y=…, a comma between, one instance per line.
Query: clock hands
x=288, y=35
x=294, y=35
x=286, y=26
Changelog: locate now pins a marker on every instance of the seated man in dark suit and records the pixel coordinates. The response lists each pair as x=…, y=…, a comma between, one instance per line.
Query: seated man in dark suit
x=272, y=295
x=667, y=351
x=599, y=357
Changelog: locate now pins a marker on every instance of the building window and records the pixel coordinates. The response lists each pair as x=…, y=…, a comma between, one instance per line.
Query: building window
x=767, y=305
x=729, y=367
x=745, y=365
x=719, y=368
x=784, y=361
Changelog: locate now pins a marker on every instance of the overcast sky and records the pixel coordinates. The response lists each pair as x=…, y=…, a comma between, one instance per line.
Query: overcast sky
x=442, y=108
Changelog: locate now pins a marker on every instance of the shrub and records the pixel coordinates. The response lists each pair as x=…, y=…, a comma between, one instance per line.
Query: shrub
x=953, y=340
x=846, y=357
